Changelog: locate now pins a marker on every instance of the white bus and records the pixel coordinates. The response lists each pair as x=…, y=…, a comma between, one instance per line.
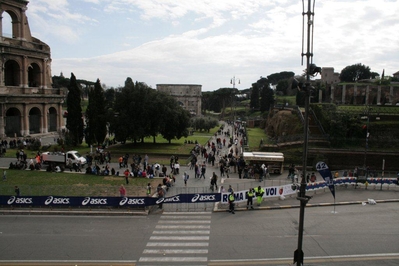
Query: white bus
x=273, y=160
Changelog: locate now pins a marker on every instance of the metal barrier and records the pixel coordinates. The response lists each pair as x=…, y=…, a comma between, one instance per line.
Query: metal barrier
x=188, y=207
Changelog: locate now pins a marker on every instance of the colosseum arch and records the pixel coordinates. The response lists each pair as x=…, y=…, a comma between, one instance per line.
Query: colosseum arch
x=34, y=75
x=25, y=77
x=13, y=125
x=52, y=119
x=35, y=123
x=12, y=72
x=12, y=22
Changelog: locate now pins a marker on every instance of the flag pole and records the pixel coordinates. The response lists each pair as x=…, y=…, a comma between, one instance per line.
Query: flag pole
x=334, y=199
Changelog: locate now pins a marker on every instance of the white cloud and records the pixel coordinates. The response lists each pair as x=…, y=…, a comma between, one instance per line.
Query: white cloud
x=207, y=42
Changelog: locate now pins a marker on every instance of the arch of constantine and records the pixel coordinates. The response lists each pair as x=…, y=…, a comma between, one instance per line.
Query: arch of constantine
x=187, y=95
x=28, y=104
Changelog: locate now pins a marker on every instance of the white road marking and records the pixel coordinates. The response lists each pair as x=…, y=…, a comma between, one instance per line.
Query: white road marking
x=182, y=232
x=175, y=251
x=173, y=259
x=177, y=244
x=186, y=222
x=180, y=238
x=183, y=227
x=185, y=217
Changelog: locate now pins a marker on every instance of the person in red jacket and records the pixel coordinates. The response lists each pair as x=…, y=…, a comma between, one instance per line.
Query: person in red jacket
x=122, y=191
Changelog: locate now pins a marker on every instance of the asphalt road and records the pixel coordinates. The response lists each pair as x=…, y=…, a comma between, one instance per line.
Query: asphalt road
x=354, y=235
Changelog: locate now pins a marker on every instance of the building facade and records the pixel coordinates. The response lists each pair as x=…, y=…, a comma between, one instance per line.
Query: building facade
x=328, y=76
x=357, y=93
x=187, y=95
x=28, y=104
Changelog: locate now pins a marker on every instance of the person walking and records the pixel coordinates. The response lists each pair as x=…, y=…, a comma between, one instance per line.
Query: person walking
x=214, y=180
x=161, y=194
x=17, y=191
x=148, y=190
x=259, y=191
x=4, y=175
x=203, y=170
x=185, y=178
x=231, y=202
x=122, y=191
x=126, y=174
x=250, y=195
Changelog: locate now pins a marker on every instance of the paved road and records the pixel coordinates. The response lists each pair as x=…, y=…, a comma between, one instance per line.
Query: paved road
x=345, y=235
x=353, y=235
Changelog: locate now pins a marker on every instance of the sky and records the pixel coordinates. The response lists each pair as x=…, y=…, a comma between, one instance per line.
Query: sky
x=210, y=42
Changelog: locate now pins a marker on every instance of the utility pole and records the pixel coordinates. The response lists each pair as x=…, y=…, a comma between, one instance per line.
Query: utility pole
x=311, y=70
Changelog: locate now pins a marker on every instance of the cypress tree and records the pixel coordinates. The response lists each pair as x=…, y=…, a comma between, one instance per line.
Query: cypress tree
x=96, y=120
x=74, y=122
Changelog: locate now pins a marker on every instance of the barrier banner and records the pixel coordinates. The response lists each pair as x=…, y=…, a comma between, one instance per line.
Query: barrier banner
x=59, y=201
x=190, y=198
x=240, y=196
x=275, y=191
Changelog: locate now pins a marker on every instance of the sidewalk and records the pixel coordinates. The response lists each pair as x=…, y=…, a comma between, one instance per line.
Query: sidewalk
x=344, y=195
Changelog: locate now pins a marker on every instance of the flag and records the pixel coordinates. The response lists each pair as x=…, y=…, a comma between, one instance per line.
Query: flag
x=325, y=172
x=382, y=76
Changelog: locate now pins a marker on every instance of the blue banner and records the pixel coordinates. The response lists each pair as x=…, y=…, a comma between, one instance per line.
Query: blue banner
x=61, y=201
x=325, y=172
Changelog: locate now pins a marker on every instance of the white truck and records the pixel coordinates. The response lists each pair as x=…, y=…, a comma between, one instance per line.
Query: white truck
x=63, y=159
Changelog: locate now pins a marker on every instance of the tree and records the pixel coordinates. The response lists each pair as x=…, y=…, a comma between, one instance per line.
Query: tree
x=374, y=75
x=96, y=118
x=276, y=77
x=354, y=73
x=109, y=97
x=60, y=82
x=140, y=111
x=282, y=86
x=254, y=102
x=225, y=95
x=267, y=99
x=74, y=122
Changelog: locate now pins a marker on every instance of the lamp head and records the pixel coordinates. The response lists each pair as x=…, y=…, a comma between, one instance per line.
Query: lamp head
x=313, y=70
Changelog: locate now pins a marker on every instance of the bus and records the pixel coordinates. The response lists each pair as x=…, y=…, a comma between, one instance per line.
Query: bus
x=273, y=160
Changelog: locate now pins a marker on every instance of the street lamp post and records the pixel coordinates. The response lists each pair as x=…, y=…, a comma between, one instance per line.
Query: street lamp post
x=311, y=70
x=233, y=81
x=367, y=113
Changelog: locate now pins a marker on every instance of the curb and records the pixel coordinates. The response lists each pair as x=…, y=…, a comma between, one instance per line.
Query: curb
x=217, y=209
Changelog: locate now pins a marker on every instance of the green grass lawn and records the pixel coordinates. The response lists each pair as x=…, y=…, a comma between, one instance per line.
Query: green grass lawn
x=39, y=183
x=161, y=146
x=254, y=137
x=36, y=183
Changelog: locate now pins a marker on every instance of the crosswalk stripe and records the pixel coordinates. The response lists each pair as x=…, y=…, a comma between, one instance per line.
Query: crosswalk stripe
x=185, y=217
x=182, y=232
x=183, y=227
x=179, y=238
x=175, y=251
x=177, y=244
x=186, y=233
x=186, y=222
x=186, y=213
x=173, y=259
